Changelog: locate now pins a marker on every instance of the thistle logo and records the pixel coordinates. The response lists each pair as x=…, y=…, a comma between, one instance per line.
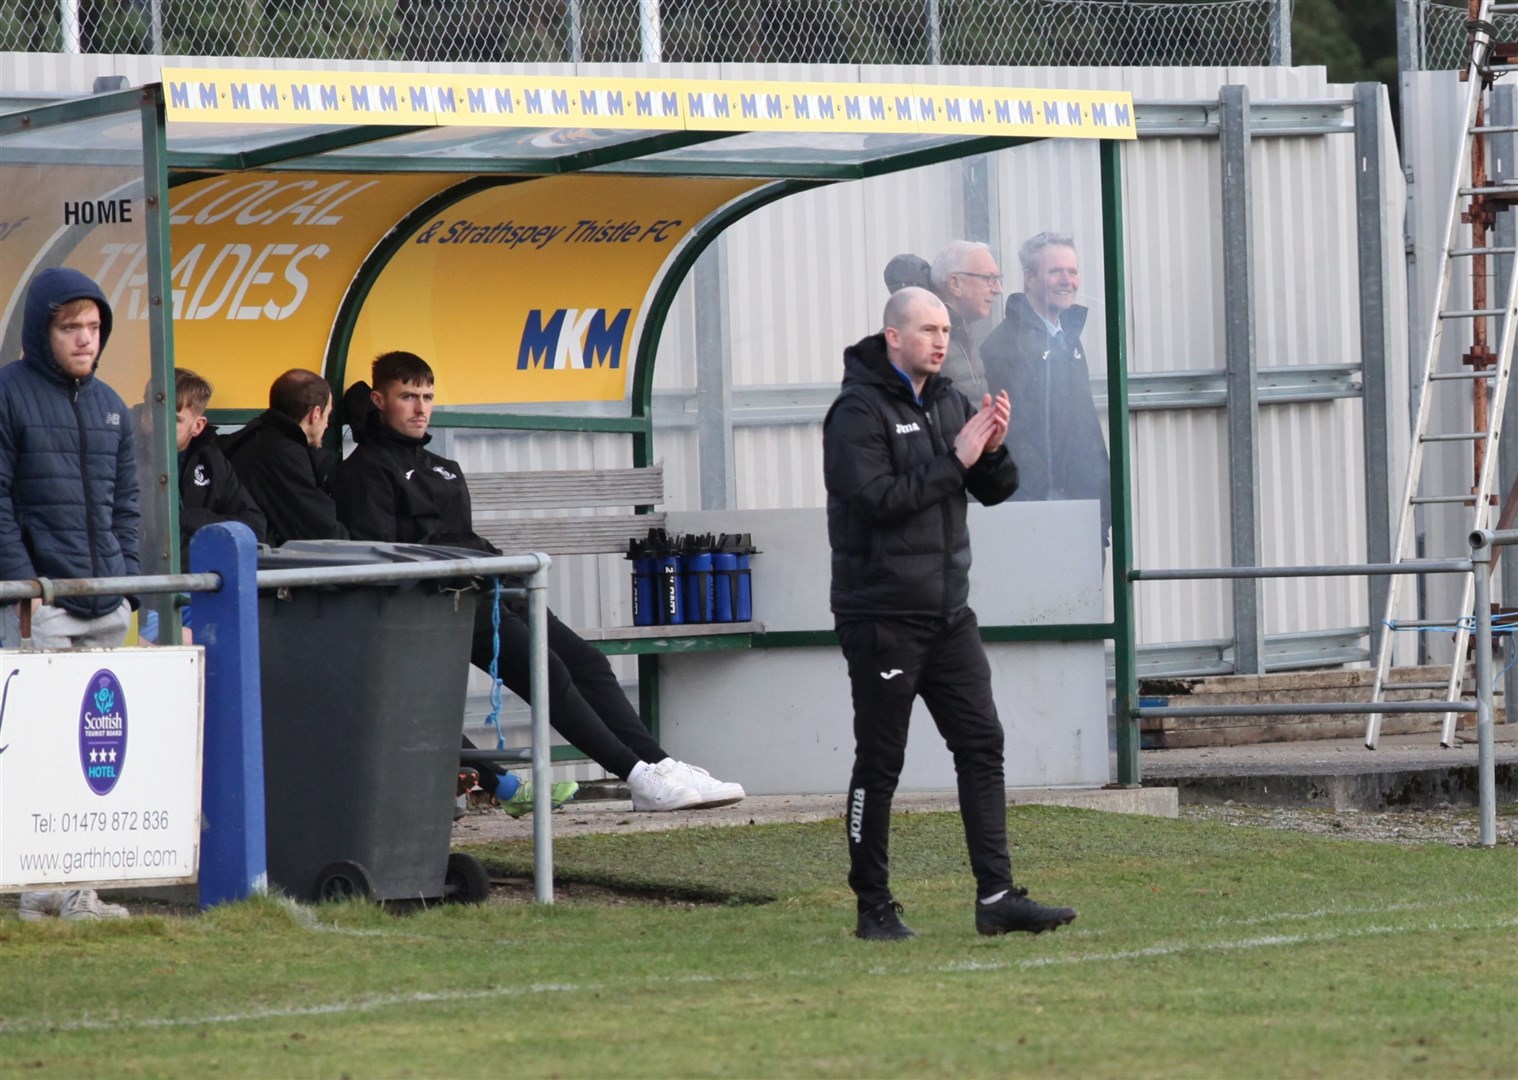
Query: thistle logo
x=573, y=339
x=102, y=732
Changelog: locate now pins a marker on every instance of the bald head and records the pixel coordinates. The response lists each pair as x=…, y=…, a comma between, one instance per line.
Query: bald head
x=901, y=308
x=916, y=333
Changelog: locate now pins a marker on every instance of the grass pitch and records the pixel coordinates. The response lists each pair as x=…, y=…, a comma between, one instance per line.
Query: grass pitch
x=1201, y=950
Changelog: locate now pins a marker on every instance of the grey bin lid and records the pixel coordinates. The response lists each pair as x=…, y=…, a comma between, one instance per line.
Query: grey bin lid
x=308, y=554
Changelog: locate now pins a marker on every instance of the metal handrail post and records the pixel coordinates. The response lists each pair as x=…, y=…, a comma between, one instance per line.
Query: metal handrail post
x=1481, y=571
x=542, y=791
x=234, y=860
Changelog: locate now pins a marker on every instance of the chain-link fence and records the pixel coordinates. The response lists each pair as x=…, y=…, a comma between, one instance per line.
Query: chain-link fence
x=1010, y=32
x=1441, y=34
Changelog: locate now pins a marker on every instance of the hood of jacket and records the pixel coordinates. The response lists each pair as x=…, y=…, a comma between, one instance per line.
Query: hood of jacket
x=866, y=361
x=49, y=291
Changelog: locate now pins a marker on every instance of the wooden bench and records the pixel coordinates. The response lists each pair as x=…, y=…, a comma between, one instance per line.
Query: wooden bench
x=495, y=494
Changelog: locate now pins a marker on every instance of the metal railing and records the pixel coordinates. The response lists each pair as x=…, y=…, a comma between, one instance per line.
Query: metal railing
x=1087, y=33
x=534, y=567
x=1479, y=565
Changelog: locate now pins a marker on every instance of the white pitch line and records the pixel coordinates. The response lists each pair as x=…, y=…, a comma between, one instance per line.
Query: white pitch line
x=371, y=1004
x=1268, y=941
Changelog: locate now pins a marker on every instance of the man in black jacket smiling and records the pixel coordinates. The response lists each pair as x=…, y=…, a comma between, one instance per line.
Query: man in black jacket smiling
x=901, y=447
x=392, y=488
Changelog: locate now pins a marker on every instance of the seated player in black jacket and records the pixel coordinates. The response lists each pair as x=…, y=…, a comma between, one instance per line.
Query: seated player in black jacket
x=392, y=488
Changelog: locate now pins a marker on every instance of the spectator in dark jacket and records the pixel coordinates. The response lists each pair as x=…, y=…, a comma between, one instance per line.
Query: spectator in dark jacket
x=209, y=490
x=1036, y=356
x=901, y=450
x=280, y=460
x=68, y=492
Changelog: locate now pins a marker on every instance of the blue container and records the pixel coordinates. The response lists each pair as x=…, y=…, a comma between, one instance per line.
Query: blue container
x=725, y=593
x=743, y=592
x=671, y=595
x=645, y=592
x=696, y=571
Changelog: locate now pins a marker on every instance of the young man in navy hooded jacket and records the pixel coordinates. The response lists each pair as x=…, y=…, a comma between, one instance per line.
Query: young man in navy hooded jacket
x=68, y=491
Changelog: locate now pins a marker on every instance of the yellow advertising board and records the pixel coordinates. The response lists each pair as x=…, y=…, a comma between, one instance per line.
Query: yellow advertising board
x=90, y=218
x=262, y=261
x=210, y=95
x=534, y=291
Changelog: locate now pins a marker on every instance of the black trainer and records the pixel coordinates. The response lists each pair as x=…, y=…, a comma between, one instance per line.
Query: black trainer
x=1015, y=913
x=883, y=923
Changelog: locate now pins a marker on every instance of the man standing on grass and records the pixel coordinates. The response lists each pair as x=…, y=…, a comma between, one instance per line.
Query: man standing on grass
x=901, y=447
x=68, y=493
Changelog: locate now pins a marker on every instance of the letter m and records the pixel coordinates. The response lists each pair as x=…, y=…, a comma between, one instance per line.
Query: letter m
x=179, y=95
x=207, y=95
x=540, y=343
x=240, y=96
x=1051, y=112
x=603, y=343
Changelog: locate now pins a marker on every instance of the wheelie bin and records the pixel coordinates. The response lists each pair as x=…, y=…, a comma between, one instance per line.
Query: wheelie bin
x=363, y=701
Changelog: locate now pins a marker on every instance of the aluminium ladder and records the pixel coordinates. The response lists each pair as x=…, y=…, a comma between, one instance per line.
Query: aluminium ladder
x=1473, y=205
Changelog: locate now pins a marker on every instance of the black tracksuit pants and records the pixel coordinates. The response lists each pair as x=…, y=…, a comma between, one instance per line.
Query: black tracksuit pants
x=891, y=662
x=586, y=704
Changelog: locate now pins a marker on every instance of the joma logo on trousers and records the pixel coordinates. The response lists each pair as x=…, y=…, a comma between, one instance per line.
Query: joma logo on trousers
x=856, y=815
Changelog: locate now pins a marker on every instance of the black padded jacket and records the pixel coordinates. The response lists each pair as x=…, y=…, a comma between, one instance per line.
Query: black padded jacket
x=897, y=492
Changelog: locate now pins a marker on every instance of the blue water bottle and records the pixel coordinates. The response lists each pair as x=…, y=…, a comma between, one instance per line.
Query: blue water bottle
x=696, y=570
x=743, y=590
x=645, y=591
x=671, y=596
x=724, y=585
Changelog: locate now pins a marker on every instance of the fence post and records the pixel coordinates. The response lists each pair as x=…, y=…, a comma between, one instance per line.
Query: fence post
x=233, y=860
x=1486, y=773
x=1280, y=33
x=542, y=765
x=1241, y=375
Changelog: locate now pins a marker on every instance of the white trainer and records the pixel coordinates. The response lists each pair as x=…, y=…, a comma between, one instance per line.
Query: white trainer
x=86, y=904
x=661, y=787
x=713, y=792
x=36, y=906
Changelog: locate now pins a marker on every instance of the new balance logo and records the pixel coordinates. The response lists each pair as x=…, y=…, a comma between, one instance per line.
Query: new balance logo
x=895, y=671
x=907, y=429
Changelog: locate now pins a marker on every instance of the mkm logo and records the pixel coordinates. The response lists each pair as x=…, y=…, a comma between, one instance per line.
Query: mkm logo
x=573, y=338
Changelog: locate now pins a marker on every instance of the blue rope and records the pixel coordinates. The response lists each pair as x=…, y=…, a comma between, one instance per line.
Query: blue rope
x=494, y=719
x=1501, y=624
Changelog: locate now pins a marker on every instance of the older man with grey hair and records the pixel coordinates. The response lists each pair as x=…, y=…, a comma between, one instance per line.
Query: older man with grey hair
x=1035, y=355
x=966, y=277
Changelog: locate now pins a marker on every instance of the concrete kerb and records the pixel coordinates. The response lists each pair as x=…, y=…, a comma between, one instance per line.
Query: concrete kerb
x=616, y=815
x=1407, y=772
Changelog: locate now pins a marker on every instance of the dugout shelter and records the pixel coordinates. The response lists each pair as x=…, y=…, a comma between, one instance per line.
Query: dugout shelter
x=526, y=234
